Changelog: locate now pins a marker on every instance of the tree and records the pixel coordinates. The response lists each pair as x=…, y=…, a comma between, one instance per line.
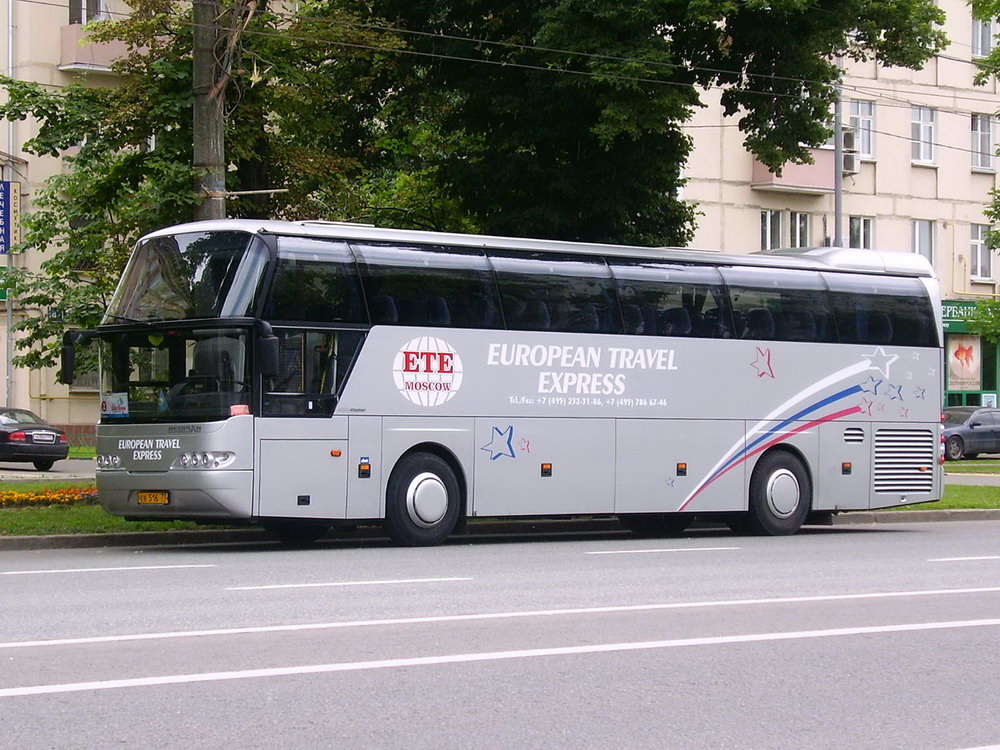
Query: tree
x=553, y=118
x=574, y=107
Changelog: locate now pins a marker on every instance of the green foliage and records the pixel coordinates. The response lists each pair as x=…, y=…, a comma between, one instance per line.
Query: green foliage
x=551, y=118
x=985, y=319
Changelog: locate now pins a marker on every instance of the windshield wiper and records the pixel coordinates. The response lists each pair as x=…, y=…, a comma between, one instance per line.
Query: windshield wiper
x=124, y=318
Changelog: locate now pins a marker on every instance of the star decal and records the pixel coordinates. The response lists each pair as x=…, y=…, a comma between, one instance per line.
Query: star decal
x=763, y=363
x=904, y=412
x=866, y=406
x=879, y=360
x=895, y=392
x=871, y=385
x=501, y=443
x=920, y=393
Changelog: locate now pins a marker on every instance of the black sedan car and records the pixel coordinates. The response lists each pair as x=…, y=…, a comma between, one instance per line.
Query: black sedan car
x=24, y=437
x=969, y=431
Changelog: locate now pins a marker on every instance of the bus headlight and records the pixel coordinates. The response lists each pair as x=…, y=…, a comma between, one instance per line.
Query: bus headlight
x=110, y=461
x=204, y=460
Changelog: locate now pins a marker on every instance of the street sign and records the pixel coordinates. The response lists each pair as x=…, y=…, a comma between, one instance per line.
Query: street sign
x=10, y=215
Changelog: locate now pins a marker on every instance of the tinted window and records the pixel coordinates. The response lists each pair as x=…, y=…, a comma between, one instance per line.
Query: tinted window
x=659, y=299
x=194, y=275
x=882, y=310
x=428, y=286
x=546, y=292
x=315, y=281
x=773, y=304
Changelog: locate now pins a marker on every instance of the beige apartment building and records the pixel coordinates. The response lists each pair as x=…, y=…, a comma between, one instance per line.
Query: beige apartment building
x=917, y=178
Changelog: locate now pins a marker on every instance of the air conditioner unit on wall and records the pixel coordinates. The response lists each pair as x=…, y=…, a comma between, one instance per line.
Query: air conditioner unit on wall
x=850, y=163
x=849, y=139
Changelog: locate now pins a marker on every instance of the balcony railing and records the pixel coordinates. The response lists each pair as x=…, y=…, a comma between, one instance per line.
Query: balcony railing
x=811, y=179
x=78, y=54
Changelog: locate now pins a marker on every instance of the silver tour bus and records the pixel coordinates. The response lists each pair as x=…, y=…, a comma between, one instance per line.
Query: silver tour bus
x=302, y=375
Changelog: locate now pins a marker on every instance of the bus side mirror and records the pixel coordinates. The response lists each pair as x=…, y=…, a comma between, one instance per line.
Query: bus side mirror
x=267, y=351
x=68, y=358
x=68, y=362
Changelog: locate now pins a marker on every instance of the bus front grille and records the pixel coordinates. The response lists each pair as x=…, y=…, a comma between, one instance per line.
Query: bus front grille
x=904, y=460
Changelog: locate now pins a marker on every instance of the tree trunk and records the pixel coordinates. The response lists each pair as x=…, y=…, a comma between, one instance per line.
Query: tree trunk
x=208, y=116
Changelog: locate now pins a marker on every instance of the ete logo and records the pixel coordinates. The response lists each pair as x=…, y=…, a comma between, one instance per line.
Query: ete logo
x=427, y=371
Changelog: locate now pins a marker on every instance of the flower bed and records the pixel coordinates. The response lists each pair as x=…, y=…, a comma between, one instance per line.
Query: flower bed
x=54, y=496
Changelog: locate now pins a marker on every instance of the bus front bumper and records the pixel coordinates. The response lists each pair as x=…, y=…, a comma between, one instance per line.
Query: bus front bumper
x=189, y=494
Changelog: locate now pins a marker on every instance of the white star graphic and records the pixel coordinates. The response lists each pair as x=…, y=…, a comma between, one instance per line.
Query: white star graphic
x=879, y=360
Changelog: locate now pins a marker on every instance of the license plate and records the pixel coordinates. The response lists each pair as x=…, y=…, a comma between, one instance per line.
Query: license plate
x=153, y=497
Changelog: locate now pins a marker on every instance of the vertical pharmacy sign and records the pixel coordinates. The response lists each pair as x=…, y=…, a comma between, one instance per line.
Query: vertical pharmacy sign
x=10, y=215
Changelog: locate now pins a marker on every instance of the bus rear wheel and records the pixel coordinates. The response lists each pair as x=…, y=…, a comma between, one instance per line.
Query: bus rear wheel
x=780, y=495
x=422, y=501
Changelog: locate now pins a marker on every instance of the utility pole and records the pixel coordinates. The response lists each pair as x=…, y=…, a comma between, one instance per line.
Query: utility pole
x=838, y=161
x=208, y=117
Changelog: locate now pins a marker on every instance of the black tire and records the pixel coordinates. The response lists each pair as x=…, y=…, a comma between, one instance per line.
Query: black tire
x=656, y=524
x=295, y=533
x=954, y=449
x=43, y=465
x=422, y=501
x=780, y=495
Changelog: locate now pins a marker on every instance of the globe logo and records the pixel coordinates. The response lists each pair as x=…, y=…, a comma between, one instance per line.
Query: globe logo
x=427, y=371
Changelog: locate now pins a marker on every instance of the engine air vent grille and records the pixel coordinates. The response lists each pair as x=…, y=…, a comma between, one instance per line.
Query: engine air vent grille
x=904, y=460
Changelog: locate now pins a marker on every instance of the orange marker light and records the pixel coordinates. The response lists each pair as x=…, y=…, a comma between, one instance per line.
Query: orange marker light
x=335, y=453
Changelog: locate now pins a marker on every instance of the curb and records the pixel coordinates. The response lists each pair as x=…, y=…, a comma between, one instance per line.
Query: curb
x=529, y=528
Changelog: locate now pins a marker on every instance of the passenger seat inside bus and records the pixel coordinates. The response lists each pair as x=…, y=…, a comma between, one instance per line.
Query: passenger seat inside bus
x=873, y=327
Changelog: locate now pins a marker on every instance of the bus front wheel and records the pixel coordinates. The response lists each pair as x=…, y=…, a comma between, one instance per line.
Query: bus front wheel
x=422, y=501
x=780, y=495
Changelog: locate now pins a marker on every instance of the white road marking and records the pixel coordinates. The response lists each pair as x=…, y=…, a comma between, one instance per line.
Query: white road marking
x=652, y=551
x=963, y=559
x=344, y=583
x=99, y=570
x=534, y=653
x=251, y=630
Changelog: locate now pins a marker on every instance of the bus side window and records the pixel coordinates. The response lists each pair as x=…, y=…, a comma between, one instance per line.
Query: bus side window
x=882, y=310
x=316, y=281
x=661, y=299
x=428, y=285
x=779, y=305
x=548, y=292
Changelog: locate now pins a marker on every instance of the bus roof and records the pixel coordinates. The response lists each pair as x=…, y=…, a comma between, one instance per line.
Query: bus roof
x=822, y=258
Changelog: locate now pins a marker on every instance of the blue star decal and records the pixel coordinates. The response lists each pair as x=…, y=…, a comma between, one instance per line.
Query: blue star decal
x=920, y=393
x=895, y=392
x=501, y=443
x=871, y=385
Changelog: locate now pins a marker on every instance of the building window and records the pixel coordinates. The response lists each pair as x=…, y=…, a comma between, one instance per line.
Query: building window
x=923, y=238
x=861, y=231
x=982, y=142
x=770, y=230
x=981, y=266
x=863, y=122
x=982, y=37
x=801, y=226
x=922, y=134
x=83, y=11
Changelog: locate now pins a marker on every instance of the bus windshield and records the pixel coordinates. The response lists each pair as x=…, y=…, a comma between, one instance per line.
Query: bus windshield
x=174, y=375
x=191, y=275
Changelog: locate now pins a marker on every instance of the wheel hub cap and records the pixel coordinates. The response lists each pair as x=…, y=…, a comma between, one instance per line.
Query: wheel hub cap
x=426, y=500
x=783, y=493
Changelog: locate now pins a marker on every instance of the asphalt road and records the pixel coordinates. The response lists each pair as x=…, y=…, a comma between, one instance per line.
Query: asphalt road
x=881, y=637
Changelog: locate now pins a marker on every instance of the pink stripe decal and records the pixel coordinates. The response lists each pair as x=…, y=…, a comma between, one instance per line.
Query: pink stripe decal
x=765, y=446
